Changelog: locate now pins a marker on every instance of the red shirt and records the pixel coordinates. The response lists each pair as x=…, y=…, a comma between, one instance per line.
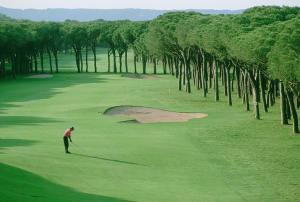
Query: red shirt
x=67, y=133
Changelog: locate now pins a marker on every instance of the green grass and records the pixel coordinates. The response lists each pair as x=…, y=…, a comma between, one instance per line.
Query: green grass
x=228, y=156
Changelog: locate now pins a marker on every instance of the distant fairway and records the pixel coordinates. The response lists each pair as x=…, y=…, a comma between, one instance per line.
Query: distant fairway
x=227, y=156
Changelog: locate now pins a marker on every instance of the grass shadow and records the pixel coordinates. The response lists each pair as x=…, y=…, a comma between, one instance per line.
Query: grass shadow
x=133, y=121
x=24, y=89
x=20, y=185
x=15, y=142
x=4, y=143
x=24, y=120
x=106, y=159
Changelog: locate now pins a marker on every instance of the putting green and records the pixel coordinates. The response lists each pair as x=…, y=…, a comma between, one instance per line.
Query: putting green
x=226, y=157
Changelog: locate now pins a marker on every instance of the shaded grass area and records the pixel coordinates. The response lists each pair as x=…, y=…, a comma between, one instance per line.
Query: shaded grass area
x=20, y=185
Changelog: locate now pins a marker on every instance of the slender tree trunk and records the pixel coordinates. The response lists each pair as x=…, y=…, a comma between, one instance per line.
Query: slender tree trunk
x=217, y=97
x=108, y=59
x=290, y=97
x=180, y=76
x=288, y=109
x=81, y=60
x=199, y=66
x=50, y=60
x=164, y=65
x=255, y=93
x=204, y=75
x=95, y=59
x=284, y=118
x=188, y=73
x=246, y=91
x=2, y=67
x=134, y=61
x=263, y=91
x=144, y=61
x=225, y=80
x=42, y=61
x=35, y=63
x=56, y=60
x=115, y=60
x=126, y=61
x=120, y=61
x=86, y=59
x=228, y=85
x=13, y=66
x=238, y=81
x=176, y=67
x=154, y=66
x=232, y=79
x=77, y=60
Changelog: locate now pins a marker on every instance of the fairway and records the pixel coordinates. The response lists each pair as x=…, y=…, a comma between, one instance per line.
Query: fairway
x=227, y=156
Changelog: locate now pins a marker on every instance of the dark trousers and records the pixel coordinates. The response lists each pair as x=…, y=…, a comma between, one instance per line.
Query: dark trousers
x=66, y=143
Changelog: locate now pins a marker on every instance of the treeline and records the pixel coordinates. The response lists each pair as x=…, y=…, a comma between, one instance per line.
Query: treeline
x=24, y=44
x=259, y=50
x=255, y=55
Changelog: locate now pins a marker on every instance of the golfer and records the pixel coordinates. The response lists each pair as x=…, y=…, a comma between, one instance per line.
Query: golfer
x=67, y=135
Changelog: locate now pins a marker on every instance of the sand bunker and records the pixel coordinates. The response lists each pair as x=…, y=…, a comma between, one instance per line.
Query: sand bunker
x=151, y=115
x=40, y=76
x=139, y=76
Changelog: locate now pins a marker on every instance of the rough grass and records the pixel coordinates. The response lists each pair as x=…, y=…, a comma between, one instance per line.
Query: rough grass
x=228, y=156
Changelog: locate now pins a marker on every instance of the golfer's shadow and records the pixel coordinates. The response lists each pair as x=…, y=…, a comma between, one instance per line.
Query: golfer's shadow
x=106, y=159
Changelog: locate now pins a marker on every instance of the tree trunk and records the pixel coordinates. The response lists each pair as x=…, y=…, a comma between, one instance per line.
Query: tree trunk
x=13, y=66
x=164, y=65
x=2, y=67
x=134, y=62
x=217, y=96
x=42, y=61
x=77, y=60
x=246, y=91
x=50, y=60
x=255, y=93
x=120, y=61
x=86, y=59
x=108, y=59
x=263, y=90
x=204, y=75
x=228, y=85
x=290, y=97
x=284, y=118
x=126, y=61
x=35, y=63
x=95, y=58
x=188, y=73
x=115, y=60
x=238, y=81
x=81, y=60
x=144, y=61
x=225, y=80
x=176, y=67
x=56, y=60
x=180, y=76
x=154, y=66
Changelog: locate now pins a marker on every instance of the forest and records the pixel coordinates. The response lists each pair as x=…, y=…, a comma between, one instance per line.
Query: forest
x=254, y=55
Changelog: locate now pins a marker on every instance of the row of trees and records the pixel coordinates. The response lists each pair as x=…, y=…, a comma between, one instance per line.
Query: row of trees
x=259, y=49
x=23, y=44
x=255, y=54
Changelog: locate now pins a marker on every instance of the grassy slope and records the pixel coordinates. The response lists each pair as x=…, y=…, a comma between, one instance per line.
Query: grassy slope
x=227, y=157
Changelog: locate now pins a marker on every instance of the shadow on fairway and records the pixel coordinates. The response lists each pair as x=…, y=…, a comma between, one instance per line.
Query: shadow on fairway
x=20, y=185
x=106, y=159
x=15, y=142
x=4, y=143
x=24, y=120
x=24, y=89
